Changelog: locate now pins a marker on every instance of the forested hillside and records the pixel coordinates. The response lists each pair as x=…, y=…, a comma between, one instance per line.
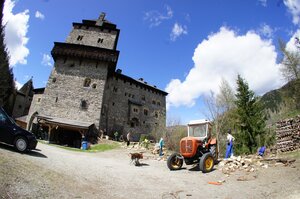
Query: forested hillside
x=282, y=103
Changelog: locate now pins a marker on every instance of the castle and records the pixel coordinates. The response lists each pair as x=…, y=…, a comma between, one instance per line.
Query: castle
x=86, y=93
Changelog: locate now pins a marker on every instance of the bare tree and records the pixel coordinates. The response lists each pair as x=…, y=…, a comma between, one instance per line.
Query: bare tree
x=290, y=68
x=225, y=99
x=218, y=105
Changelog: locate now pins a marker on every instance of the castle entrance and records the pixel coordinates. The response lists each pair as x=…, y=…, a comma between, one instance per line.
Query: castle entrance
x=67, y=137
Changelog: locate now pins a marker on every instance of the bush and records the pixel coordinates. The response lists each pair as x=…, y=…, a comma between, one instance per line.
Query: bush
x=173, y=136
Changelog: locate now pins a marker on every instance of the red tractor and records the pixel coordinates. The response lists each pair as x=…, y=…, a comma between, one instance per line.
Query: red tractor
x=197, y=147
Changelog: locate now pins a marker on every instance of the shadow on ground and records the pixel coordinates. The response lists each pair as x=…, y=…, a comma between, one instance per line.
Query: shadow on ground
x=33, y=153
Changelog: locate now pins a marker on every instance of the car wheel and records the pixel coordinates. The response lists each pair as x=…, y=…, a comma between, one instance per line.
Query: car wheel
x=175, y=161
x=21, y=144
x=206, y=163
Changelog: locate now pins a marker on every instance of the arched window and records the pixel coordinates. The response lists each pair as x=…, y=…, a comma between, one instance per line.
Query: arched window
x=87, y=82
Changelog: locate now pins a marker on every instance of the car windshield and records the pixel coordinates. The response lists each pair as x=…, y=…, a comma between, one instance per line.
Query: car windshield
x=4, y=118
x=198, y=130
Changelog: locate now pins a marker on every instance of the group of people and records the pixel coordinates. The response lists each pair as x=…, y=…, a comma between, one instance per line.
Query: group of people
x=161, y=142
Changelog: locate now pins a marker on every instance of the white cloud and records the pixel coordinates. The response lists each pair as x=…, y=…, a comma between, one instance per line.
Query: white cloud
x=225, y=55
x=177, y=31
x=16, y=27
x=39, y=15
x=18, y=84
x=266, y=30
x=263, y=2
x=155, y=18
x=291, y=44
x=46, y=61
x=294, y=9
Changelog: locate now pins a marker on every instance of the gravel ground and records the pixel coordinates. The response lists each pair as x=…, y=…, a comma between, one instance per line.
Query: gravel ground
x=52, y=172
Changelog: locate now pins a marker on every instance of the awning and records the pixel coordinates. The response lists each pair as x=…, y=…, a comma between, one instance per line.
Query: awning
x=64, y=123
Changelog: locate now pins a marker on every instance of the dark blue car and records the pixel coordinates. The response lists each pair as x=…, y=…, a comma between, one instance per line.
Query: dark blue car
x=12, y=134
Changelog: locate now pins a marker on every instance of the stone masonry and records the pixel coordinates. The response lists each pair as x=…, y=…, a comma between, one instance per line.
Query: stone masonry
x=85, y=86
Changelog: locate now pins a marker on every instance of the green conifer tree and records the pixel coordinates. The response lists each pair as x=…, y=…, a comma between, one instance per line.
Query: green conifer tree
x=6, y=75
x=250, y=119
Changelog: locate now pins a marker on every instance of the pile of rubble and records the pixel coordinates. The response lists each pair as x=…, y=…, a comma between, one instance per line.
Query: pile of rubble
x=250, y=163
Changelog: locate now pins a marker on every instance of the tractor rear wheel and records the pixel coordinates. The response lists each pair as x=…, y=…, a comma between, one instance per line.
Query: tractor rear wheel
x=206, y=163
x=175, y=161
x=213, y=150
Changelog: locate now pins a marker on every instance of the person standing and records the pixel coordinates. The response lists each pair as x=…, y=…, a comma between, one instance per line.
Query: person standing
x=161, y=144
x=128, y=138
x=229, y=147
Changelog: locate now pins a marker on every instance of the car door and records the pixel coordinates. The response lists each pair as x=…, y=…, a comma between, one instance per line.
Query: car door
x=6, y=128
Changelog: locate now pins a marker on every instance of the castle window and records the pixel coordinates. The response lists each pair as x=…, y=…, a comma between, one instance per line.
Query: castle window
x=125, y=94
x=94, y=86
x=143, y=98
x=83, y=104
x=72, y=65
x=113, y=103
x=153, y=102
x=158, y=103
x=54, y=79
x=132, y=96
x=100, y=40
x=39, y=99
x=87, y=82
x=134, y=122
x=135, y=110
x=145, y=112
x=115, y=89
x=156, y=114
x=56, y=99
x=20, y=106
x=79, y=38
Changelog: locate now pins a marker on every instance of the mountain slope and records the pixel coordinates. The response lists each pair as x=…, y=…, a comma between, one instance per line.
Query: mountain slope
x=283, y=102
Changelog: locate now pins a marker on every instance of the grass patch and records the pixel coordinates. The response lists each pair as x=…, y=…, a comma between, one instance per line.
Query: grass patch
x=94, y=148
x=103, y=147
x=293, y=154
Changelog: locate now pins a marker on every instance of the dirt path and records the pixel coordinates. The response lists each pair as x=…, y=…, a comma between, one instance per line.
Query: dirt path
x=53, y=172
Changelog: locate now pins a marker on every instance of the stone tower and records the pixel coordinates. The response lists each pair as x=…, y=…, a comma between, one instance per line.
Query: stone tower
x=76, y=85
x=85, y=92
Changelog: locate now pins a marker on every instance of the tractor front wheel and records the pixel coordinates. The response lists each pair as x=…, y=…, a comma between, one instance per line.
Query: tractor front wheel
x=175, y=161
x=206, y=163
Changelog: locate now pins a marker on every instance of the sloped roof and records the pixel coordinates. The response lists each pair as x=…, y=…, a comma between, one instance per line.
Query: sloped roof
x=65, y=122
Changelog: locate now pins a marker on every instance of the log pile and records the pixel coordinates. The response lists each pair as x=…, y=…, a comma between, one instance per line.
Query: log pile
x=288, y=134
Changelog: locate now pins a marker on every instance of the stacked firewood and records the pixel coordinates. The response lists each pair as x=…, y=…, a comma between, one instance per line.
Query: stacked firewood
x=288, y=134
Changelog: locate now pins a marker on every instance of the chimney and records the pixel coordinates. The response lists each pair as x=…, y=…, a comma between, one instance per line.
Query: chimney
x=100, y=20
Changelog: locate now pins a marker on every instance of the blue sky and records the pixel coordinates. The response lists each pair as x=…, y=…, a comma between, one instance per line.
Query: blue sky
x=183, y=47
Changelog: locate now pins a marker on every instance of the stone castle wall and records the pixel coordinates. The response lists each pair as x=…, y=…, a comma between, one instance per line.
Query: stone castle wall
x=132, y=106
x=65, y=90
x=93, y=37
